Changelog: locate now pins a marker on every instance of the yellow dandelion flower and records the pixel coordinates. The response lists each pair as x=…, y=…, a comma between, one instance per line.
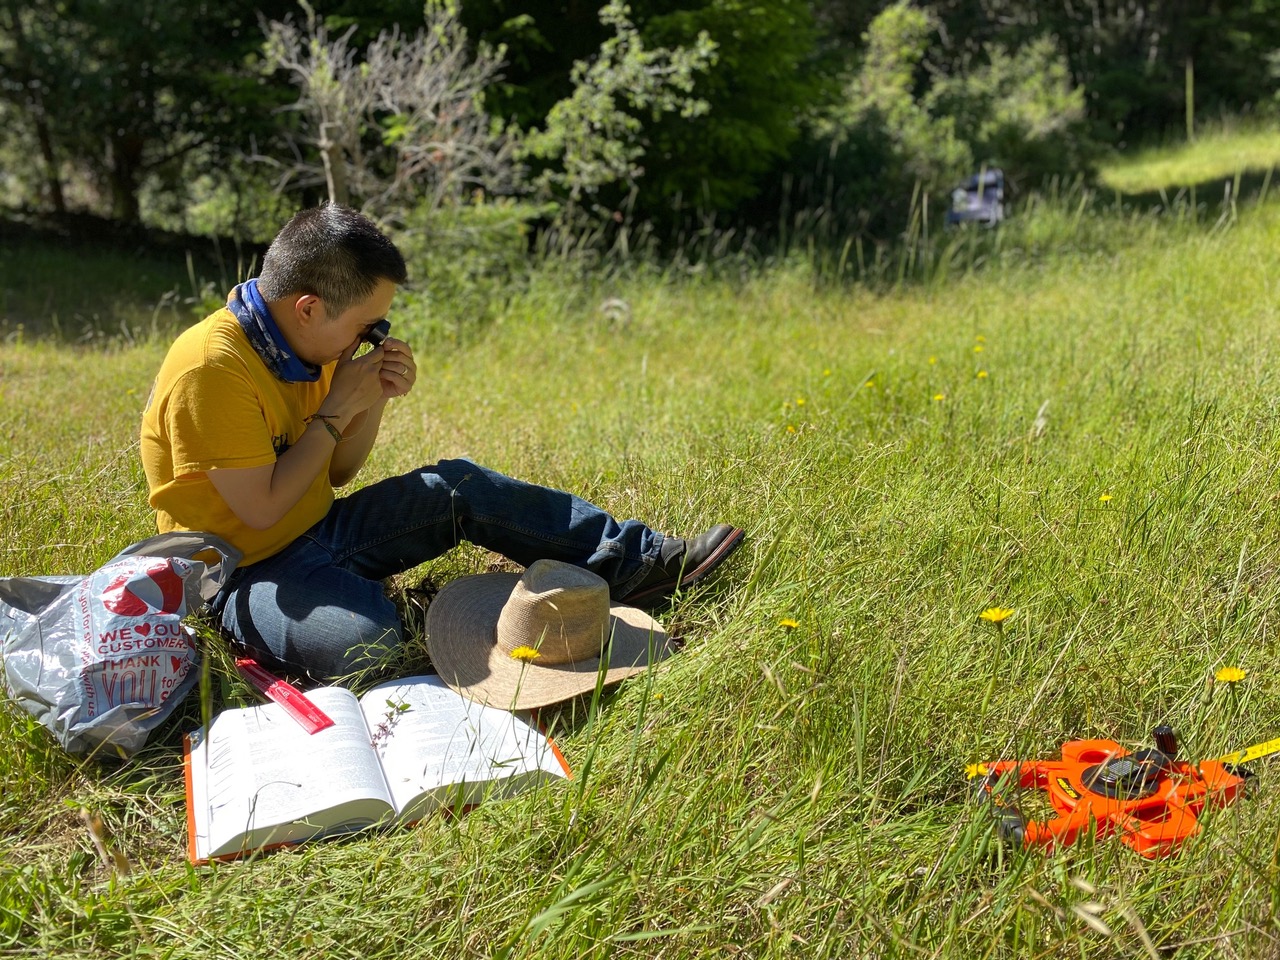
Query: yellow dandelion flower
x=527, y=654
x=933, y=359
x=996, y=614
x=1230, y=675
x=939, y=396
x=870, y=384
x=982, y=374
x=1105, y=497
x=826, y=372
x=790, y=428
x=799, y=401
x=978, y=348
x=972, y=770
x=980, y=338
x=788, y=623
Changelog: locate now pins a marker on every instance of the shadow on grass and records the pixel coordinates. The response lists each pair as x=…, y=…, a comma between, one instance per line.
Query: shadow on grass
x=78, y=278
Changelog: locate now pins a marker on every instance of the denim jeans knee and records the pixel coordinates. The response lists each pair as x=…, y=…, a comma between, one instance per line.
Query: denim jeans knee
x=324, y=622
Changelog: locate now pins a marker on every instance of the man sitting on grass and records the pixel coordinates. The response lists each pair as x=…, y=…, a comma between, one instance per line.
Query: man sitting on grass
x=260, y=410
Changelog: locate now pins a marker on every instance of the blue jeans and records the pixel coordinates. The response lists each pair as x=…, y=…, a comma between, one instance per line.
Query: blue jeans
x=318, y=606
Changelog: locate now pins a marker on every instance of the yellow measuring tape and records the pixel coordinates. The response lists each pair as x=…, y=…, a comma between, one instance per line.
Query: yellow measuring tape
x=1251, y=753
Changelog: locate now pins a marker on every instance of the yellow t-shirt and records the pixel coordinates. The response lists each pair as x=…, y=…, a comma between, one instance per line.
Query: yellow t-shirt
x=215, y=405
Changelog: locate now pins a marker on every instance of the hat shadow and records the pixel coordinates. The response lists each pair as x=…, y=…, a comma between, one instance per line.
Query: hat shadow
x=568, y=717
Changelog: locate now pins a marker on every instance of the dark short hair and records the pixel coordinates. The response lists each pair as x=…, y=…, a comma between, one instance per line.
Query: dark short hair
x=331, y=252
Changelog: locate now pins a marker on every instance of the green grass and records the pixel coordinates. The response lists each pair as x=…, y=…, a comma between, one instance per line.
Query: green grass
x=773, y=791
x=1219, y=153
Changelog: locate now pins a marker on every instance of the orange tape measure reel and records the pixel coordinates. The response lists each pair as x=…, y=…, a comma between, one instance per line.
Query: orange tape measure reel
x=1152, y=800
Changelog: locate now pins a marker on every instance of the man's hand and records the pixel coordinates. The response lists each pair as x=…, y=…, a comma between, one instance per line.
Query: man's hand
x=357, y=385
x=398, y=370
x=396, y=375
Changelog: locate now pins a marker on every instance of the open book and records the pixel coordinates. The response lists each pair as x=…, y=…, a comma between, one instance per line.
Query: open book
x=255, y=778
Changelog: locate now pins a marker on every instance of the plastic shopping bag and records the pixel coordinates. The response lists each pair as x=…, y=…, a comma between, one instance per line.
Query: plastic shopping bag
x=103, y=659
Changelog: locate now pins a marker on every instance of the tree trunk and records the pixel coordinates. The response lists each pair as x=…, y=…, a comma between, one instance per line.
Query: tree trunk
x=124, y=161
x=35, y=104
x=52, y=181
x=335, y=168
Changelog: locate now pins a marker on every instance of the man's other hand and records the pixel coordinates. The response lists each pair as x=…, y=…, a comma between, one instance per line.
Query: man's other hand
x=398, y=371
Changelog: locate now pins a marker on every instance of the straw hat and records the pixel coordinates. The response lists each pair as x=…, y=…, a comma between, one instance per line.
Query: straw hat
x=526, y=640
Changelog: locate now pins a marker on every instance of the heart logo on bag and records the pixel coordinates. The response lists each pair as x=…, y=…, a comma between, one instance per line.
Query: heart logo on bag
x=142, y=629
x=175, y=663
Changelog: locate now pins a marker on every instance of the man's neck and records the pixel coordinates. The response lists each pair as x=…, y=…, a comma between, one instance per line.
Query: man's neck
x=286, y=320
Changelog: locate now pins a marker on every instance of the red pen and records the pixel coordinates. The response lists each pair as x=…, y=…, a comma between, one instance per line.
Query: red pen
x=294, y=701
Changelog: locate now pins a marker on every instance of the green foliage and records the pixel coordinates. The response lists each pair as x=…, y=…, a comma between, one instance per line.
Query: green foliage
x=595, y=135
x=123, y=90
x=543, y=40
x=904, y=127
x=831, y=108
x=466, y=264
x=399, y=123
x=765, y=78
x=881, y=100
x=237, y=200
x=1132, y=57
x=370, y=19
x=22, y=179
x=1018, y=111
x=874, y=148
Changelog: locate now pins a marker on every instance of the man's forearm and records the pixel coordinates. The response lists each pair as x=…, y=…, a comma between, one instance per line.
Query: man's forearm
x=358, y=440
x=262, y=496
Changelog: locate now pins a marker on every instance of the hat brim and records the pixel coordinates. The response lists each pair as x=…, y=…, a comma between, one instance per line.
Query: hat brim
x=462, y=627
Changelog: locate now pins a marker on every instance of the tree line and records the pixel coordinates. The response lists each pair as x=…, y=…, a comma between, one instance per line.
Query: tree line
x=672, y=112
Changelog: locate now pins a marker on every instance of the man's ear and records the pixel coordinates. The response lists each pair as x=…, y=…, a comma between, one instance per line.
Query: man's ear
x=308, y=309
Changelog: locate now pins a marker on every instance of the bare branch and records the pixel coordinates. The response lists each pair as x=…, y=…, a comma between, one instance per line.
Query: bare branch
x=403, y=124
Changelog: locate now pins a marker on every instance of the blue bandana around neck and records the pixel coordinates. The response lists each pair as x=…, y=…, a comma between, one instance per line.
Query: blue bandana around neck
x=267, y=340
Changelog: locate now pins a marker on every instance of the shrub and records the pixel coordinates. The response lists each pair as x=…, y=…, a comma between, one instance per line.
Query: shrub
x=465, y=263
x=905, y=126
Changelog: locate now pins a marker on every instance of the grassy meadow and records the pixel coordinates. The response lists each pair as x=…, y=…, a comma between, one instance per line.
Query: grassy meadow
x=1087, y=437
x=1221, y=151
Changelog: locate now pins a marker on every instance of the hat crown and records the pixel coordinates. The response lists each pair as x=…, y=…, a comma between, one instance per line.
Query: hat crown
x=560, y=610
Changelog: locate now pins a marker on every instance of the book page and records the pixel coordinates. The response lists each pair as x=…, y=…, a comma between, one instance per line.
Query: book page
x=431, y=740
x=259, y=778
